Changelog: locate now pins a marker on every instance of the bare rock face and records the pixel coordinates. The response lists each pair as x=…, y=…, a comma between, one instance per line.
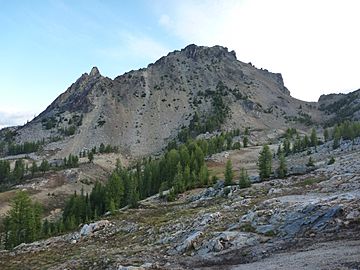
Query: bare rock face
x=94, y=72
x=142, y=111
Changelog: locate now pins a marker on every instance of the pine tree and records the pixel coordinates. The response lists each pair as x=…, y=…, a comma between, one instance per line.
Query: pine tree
x=229, y=174
x=337, y=137
x=179, y=185
x=306, y=142
x=44, y=166
x=187, y=177
x=286, y=146
x=23, y=221
x=313, y=138
x=265, y=162
x=34, y=169
x=19, y=170
x=282, y=170
x=245, y=141
x=203, y=175
x=326, y=134
x=115, y=190
x=91, y=157
x=112, y=207
x=46, y=229
x=4, y=170
x=244, y=180
x=247, y=131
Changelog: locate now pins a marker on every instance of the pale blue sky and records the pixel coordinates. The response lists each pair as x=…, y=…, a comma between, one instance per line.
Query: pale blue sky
x=46, y=45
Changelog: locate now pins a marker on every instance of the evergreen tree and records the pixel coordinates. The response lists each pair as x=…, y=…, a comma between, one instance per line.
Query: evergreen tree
x=184, y=155
x=326, y=134
x=44, y=166
x=229, y=174
x=265, y=162
x=179, y=185
x=102, y=148
x=19, y=170
x=228, y=142
x=337, y=137
x=115, y=191
x=245, y=141
x=97, y=199
x=4, y=171
x=313, y=138
x=91, y=157
x=247, y=131
x=133, y=193
x=23, y=221
x=34, y=169
x=297, y=145
x=187, y=177
x=306, y=142
x=112, y=207
x=203, y=175
x=282, y=170
x=46, y=231
x=279, y=150
x=286, y=146
x=244, y=180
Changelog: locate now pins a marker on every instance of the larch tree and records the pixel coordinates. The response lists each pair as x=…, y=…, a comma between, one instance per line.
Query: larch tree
x=229, y=174
x=265, y=162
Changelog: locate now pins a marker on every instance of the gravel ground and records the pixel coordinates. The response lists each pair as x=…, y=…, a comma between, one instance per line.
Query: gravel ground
x=344, y=255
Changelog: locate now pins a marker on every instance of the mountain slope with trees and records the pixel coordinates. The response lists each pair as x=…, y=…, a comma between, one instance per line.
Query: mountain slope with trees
x=197, y=88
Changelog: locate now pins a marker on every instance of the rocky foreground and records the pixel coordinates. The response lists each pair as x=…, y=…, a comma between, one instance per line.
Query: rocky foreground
x=308, y=221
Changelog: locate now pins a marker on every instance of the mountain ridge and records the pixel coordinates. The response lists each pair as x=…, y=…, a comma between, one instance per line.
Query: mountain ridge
x=141, y=111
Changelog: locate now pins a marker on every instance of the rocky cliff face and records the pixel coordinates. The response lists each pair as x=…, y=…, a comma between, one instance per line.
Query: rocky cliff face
x=141, y=111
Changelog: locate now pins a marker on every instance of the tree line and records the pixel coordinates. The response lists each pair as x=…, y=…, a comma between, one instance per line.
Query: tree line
x=347, y=130
x=180, y=168
x=12, y=148
x=23, y=170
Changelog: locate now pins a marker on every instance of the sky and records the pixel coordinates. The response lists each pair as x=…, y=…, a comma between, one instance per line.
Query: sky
x=46, y=45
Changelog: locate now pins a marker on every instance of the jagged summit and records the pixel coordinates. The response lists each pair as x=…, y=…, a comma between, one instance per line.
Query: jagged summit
x=94, y=72
x=194, y=51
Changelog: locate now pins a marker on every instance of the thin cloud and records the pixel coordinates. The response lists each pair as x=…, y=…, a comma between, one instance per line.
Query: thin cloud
x=312, y=43
x=138, y=46
x=14, y=118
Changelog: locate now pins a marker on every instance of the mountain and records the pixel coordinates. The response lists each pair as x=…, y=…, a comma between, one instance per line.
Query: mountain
x=142, y=111
x=341, y=107
x=176, y=211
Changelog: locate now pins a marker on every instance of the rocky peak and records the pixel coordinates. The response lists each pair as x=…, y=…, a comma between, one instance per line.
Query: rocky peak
x=193, y=51
x=94, y=72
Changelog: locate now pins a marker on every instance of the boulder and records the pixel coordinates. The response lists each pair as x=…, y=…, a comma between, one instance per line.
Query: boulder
x=353, y=215
x=227, y=240
x=88, y=229
x=189, y=242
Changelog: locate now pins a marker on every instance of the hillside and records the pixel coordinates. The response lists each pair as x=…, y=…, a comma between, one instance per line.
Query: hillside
x=199, y=161
x=142, y=111
x=340, y=107
x=309, y=221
